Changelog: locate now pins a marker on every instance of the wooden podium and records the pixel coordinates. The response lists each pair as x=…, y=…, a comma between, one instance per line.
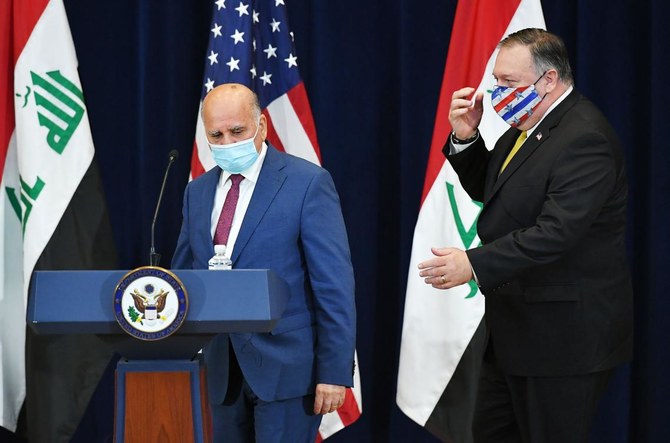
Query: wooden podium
x=161, y=394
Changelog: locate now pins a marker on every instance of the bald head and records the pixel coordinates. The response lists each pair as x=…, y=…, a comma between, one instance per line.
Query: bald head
x=231, y=113
x=232, y=93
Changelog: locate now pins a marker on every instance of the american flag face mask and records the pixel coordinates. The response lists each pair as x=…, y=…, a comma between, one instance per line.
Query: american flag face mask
x=515, y=105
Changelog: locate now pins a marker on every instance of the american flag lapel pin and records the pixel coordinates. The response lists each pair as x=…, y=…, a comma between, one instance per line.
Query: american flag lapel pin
x=539, y=136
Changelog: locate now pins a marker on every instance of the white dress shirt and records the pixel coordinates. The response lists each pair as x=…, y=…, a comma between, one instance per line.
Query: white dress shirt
x=247, y=187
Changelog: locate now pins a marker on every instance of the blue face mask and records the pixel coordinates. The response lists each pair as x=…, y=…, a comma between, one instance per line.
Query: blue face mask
x=236, y=157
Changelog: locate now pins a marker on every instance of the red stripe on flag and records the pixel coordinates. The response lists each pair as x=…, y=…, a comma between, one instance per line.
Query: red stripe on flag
x=272, y=135
x=478, y=27
x=349, y=411
x=196, y=167
x=17, y=20
x=25, y=14
x=6, y=81
x=298, y=98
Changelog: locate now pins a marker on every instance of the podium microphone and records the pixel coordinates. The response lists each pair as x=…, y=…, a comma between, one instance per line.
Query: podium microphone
x=154, y=257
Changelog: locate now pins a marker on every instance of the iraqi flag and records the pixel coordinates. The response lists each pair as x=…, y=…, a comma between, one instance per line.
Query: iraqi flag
x=52, y=214
x=251, y=44
x=443, y=335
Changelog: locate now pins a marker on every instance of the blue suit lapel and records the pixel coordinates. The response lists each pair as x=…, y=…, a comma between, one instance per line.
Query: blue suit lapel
x=270, y=180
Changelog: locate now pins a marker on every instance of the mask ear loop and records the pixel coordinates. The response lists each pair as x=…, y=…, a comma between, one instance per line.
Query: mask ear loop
x=538, y=79
x=258, y=128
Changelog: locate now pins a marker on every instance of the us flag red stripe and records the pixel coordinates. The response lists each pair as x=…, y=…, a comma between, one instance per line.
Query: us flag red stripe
x=250, y=43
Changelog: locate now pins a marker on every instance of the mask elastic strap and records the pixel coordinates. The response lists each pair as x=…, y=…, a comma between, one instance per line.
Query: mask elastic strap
x=538, y=79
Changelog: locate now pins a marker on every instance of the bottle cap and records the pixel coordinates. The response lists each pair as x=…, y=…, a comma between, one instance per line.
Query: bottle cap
x=219, y=249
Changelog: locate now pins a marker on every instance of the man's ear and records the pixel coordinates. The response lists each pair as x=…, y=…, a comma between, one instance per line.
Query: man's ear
x=263, y=131
x=551, y=80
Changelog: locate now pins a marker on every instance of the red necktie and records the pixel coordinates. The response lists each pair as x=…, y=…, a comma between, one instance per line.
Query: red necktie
x=228, y=211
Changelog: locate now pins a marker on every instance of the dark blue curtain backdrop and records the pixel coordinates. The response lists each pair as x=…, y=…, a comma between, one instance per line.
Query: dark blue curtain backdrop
x=373, y=71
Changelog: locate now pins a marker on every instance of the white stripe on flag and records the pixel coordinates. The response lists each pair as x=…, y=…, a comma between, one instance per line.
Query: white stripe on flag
x=438, y=325
x=356, y=390
x=12, y=308
x=330, y=424
x=204, y=154
x=289, y=129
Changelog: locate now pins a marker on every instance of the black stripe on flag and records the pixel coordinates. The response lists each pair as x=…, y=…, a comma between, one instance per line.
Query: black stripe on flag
x=63, y=371
x=451, y=420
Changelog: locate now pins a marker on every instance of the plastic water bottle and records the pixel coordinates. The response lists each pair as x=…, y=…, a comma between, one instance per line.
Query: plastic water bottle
x=220, y=261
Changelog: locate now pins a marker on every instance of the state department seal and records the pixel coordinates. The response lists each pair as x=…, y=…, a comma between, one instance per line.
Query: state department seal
x=150, y=303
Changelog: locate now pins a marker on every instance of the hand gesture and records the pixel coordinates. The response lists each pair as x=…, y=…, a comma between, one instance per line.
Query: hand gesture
x=449, y=268
x=464, y=114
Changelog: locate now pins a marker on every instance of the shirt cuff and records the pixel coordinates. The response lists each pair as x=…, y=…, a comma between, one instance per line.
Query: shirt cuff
x=460, y=147
x=474, y=276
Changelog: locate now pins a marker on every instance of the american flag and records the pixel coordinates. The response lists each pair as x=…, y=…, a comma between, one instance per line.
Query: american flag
x=250, y=43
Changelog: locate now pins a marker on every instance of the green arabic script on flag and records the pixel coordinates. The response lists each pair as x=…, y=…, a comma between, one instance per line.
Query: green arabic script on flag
x=60, y=125
x=29, y=195
x=467, y=235
x=58, y=136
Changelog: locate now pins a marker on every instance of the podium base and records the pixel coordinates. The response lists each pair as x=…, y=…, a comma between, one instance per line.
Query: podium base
x=161, y=401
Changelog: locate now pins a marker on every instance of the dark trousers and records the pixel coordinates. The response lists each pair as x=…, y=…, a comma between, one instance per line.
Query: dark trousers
x=535, y=409
x=245, y=418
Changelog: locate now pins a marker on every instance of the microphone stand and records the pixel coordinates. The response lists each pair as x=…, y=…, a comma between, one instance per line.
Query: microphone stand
x=154, y=257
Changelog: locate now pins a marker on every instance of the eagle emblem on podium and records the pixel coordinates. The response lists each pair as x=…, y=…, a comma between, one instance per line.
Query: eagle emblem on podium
x=150, y=303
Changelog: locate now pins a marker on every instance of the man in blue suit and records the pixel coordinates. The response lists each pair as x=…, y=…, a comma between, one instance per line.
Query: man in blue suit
x=271, y=387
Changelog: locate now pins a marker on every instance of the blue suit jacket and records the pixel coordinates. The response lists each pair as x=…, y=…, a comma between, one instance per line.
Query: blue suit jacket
x=293, y=226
